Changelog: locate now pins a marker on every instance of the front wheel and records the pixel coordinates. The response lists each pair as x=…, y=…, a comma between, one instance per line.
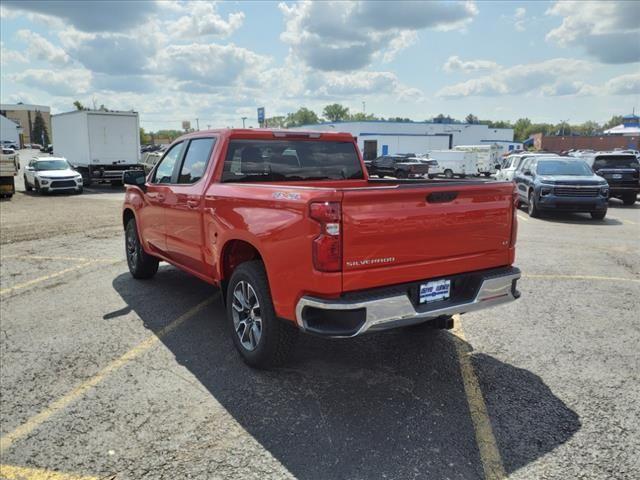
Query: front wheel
x=262, y=339
x=532, y=208
x=141, y=264
x=599, y=215
x=401, y=174
x=448, y=173
x=27, y=187
x=629, y=198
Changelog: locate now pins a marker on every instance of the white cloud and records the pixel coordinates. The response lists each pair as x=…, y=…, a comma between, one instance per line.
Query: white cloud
x=93, y=16
x=70, y=81
x=608, y=31
x=40, y=48
x=455, y=64
x=353, y=33
x=624, y=85
x=519, y=19
x=8, y=56
x=519, y=79
x=202, y=19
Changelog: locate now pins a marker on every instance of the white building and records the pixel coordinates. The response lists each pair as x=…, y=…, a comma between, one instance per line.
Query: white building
x=9, y=130
x=630, y=126
x=379, y=137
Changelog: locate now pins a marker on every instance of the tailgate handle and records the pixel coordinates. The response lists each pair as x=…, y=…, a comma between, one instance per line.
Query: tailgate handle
x=441, y=197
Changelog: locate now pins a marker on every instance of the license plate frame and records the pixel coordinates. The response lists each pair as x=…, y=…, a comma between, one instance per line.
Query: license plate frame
x=434, y=291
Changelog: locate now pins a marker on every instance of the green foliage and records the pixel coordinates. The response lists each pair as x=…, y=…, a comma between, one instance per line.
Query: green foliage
x=303, y=116
x=440, y=118
x=275, y=122
x=361, y=116
x=78, y=105
x=39, y=132
x=335, y=112
x=471, y=118
x=613, y=122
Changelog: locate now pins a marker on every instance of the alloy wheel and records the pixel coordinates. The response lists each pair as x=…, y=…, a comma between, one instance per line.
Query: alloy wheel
x=247, y=321
x=132, y=247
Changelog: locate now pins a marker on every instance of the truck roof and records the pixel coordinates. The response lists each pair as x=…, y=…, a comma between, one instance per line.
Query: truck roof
x=271, y=133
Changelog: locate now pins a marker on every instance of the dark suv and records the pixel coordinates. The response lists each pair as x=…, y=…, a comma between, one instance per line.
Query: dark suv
x=621, y=171
x=561, y=184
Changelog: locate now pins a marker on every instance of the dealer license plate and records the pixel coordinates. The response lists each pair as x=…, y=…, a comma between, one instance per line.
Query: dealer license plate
x=434, y=291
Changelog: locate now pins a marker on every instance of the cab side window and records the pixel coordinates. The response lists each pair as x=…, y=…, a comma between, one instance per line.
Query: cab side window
x=196, y=160
x=164, y=170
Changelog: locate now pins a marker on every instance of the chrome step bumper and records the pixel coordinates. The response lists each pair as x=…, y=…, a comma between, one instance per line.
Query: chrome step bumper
x=397, y=310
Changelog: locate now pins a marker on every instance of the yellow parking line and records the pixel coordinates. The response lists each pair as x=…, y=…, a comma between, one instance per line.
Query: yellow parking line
x=35, y=421
x=20, y=286
x=10, y=472
x=485, y=439
x=582, y=277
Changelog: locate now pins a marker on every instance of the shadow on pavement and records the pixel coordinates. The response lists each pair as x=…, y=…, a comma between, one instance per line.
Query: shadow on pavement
x=387, y=405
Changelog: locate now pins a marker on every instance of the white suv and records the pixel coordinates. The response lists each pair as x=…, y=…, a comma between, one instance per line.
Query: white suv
x=51, y=174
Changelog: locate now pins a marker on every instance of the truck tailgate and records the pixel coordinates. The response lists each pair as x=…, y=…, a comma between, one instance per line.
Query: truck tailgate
x=403, y=233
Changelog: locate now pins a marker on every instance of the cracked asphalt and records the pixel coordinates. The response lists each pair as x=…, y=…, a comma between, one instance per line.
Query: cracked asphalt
x=558, y=369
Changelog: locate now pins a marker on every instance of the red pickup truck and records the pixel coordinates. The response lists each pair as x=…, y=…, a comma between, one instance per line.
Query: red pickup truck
x=290, y=227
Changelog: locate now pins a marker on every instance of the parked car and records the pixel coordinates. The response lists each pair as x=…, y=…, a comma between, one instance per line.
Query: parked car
x=9, y=167
x=10, y=144
x=47, y=149
x=51, y=174
x=290, y=228
x=35, y=146
x=561, y=184
x=513, y=162
x=621, y=170
x=398, y=166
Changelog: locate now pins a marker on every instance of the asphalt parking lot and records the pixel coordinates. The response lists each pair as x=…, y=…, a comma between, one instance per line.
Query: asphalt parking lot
x=103, y=376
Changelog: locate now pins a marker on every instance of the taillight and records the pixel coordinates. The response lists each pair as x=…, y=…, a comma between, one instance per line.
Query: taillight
x=514, y=219
x=327, y=247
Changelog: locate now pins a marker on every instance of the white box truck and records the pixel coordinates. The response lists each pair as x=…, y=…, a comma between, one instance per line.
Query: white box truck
x=100, y=145
x=452, y=163
x=487, y=156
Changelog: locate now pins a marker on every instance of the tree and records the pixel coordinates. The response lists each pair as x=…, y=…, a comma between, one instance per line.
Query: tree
x=303, y=116
x=613, y=122
x=39, y=132
x=275, y=122
x=144, y=137
x=361, y=116
x=335, y=112
x=587, y=128
x=520, y=132
x=471, y=118
x=440, y=118
x=78, y=105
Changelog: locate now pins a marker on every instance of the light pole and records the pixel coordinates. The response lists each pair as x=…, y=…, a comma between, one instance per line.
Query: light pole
x=243, y=119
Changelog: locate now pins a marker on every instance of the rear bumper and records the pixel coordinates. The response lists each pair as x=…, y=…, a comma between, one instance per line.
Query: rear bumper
x=382, y=309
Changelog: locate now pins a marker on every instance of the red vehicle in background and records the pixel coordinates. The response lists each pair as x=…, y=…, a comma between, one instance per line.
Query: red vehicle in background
x=290, y=227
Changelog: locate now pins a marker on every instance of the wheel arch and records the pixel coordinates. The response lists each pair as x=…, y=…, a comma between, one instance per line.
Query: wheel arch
x=235, y=252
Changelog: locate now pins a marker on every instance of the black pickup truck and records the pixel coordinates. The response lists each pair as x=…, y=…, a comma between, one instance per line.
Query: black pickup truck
x=399, y=166
x=620, y=170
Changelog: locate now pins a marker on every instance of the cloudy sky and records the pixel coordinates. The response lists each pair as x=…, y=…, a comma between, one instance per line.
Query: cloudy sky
x=175, y=61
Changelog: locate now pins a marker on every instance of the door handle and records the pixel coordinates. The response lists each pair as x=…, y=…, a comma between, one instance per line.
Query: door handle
x=193, y=203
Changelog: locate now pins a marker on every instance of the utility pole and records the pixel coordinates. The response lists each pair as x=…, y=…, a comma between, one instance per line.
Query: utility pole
x=198, y=124
x=243, y=120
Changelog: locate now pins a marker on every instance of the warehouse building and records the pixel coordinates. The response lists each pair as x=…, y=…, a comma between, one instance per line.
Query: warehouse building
x=379, y=137
x=24, y=115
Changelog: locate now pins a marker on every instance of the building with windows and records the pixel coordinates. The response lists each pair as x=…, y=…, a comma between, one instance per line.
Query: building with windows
x=380, y=137
x=24, y=115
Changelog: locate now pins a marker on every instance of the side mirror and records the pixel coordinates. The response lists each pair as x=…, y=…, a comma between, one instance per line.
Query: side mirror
x=527, y=173
x=498, y=167
x=136, y=178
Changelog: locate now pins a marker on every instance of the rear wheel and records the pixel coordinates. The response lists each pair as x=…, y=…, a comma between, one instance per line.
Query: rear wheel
x=448, y=173
x=86, y=177
x=262, y=339
x=401, y=174
x=532, y=208
x=629, y=198
x=141, y=265
x=599, y=215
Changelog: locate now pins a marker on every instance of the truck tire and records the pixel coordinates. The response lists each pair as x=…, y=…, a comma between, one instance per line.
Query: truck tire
x=27, y=187
x=86, y=177
x=629, y=198
x=532, y=208
x=263, y=340
x=448, y=173
x=141, y=265
x=401, y=174
x=599, y=215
